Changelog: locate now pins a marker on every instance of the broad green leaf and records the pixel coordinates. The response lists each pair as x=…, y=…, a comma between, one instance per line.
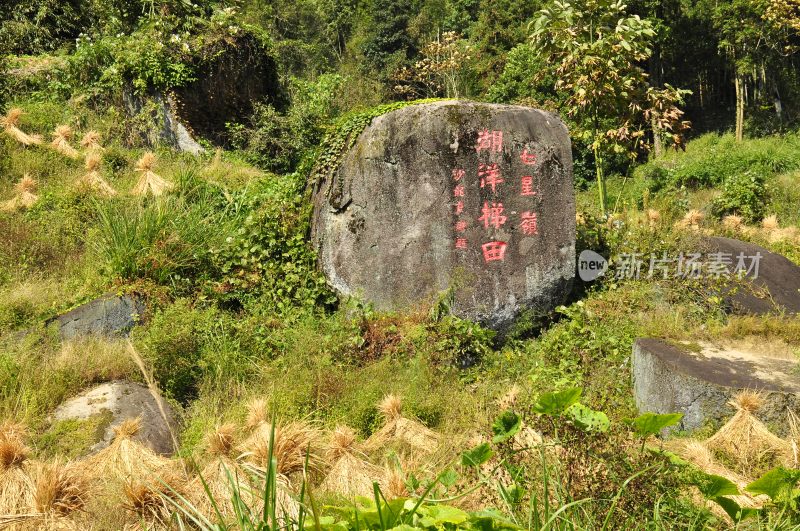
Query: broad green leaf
x=778, y=483
x=448, y=478
x=557, y=403
x=734, y=510
x=712, y=486
x=439, y=515
x=506, y=426
x=588, y=419
x=652, y=423
x=477, y=456
x=492, y=520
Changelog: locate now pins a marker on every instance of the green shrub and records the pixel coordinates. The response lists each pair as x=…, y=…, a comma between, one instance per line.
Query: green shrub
x=744, y=194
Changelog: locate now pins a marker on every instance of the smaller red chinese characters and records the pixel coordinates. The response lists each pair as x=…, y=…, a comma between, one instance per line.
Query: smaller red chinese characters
x=527, y=157
x=529, y=224
x=494, y=251
x=489, y=140
x=526, y=185
x=461, y=243
x=490, y=176
x=458, y=174
x=459, y=207
x=458, y=191
x=492, y=215
x=461, y=226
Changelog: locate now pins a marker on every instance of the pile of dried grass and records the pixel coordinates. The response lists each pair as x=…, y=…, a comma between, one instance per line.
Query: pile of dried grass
x=292, y=442
x=17, y=487
x=399, y=429
x=691, y=220
x=257, y=413
x=218, y=473
x=25, y=195
x=91, y=141
x=61, y=495
x=10, y=123
x=351, y=474
x=745, y=440
x=653, y=217
x=61, y=137
x=149, y=501
x=93, y=180
x=149, y=182
x=124, y=458
x=770, y=222
x=733, y=222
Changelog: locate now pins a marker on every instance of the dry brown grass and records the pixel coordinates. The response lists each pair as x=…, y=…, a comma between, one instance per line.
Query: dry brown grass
x=149, y=500
x=691, y=220
x=399, y=429
x=257, y=413
x=60, y=488
x=292, y=442
x=25, y=195
x=746, y=441
x=733, y=222
x=351, y=474
x=93, y=180
x=10, y=123
x=653, y=217
x=770, y=222
x=61, y=137
x=221, y=441
x=124, y=458
x=91, y=141
x=149, y=182
x=17, y=487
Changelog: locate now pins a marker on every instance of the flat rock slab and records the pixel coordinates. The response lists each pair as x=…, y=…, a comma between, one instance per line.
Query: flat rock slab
x=699, y=381
x=470, y=196
x=124, y=400
x=107, y=316
x=772, y=284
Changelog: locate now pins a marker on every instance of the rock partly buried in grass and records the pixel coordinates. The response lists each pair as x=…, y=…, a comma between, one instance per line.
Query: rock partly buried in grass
x=701, y=380
x=463, y=195
x=772, y=282
x=124, y=400
x=107, y=316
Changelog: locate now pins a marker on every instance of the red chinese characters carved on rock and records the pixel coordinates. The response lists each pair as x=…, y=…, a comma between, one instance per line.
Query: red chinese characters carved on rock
x=492, y=215
x=526, y=186
x=461, y=226
x=489, y=140
x=529, y=224
x=458, y=191
x=490, y=176
x=494, y=251
x=528, y=158
x=458, y=174
x=461, y=243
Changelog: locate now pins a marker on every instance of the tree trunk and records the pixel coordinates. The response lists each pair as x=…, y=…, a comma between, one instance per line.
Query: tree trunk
x=658, y=143
x=739, y=83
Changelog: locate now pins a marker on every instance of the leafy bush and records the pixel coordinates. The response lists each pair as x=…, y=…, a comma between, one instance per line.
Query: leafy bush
x=744, y=194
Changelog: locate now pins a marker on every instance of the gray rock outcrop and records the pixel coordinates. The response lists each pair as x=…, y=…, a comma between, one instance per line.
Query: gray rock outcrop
x=107, y=316
x=473, y=197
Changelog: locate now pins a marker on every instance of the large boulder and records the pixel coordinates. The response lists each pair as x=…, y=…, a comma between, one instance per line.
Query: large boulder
x=120, y=401
x=470, y=196
x=772, y=283
x=700, y=380
x=111, y=315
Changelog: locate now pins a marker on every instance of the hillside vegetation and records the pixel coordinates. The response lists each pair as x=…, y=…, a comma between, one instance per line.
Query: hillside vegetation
x=301, y=410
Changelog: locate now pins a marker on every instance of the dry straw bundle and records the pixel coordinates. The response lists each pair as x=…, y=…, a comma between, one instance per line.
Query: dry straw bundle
x=25, y=195
x=399, y=429
x=61, y=494
x=257, y=413
x=125, y=458
x=691, y=220
x=733, y=222
x=653, y=217
x=93, y=180
x=149, y=182
x=291, y=444
x=91, y=141
x=149, y=501
x=17, y=487
x=10, y=123
x=61, y=137
x=351, y=475
x=746, y=440
x=218, y=473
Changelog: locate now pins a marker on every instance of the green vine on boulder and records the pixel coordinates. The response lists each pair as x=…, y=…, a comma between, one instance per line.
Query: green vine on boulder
x=343, y=136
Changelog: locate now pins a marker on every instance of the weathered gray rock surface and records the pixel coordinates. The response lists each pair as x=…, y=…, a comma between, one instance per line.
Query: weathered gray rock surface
x=773, y=284
x=124, y=400
x=107, y=316
x=470, y=196
x=699, y=382
x=160, y=124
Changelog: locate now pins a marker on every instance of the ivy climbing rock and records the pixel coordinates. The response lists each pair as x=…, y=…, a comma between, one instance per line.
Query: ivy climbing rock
x=449, y=195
